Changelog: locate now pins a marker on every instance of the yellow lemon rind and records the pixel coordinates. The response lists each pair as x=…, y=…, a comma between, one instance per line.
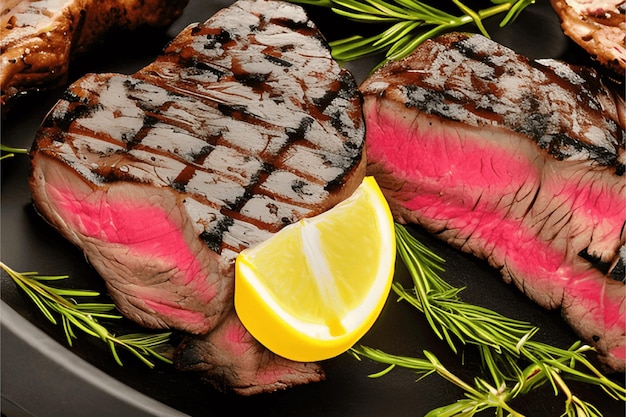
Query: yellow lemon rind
x=282, y=334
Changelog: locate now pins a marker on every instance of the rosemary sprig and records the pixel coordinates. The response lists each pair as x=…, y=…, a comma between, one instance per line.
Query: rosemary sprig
x=60, y=303
x=480, y=396
x=11, y=151
x=410, y=22
x=514, y=363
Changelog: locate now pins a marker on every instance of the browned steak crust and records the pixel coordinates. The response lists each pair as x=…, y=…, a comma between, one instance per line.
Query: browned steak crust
x=39, y=38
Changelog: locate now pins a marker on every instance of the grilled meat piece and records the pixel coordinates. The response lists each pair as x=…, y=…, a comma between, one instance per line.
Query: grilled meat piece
x=229, y=354
x=520, y=163
x=599, y=27
x=39, y=38
x=244, y=125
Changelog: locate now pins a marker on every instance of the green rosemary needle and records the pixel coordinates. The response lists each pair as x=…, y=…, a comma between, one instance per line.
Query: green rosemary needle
x=58, y=303
x=513, y=363
x=11, y=151
x=410, y=22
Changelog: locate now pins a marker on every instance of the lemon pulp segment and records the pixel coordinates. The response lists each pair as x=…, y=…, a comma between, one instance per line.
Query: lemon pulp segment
x=313, y=289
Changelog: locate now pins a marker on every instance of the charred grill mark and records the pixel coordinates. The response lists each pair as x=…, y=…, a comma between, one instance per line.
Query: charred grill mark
x=443, y=103
x=239, y=112
x=200, y=156
x=353, y=149
x=183, y=178
x=348, y=87
x=216, y=37
x=597, y=263
x=299, y=187
x=213, y=238
x=241, y=200
x=259, y=224
x=345, y=87
x=302, y=26
x=203, y=66
x=133, y=141
x=561, y=146
x=256, y=81
x=196, y=29
x=323, y=102
x=471, y=53
x=149, y=121
x=337, y=122
x=298, y=133
x=248, y=192
x=468, y=51
x=334, y=185
x=428, y=101
x=78, y=109
x=277, y=61
x=71, y=97
x=195, y=159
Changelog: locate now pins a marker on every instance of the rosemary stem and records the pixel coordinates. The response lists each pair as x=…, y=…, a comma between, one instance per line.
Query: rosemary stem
x=493, y=10
x=411, y=23
x=5, y=148
x=504, y=344
x=85, y=316
x=480, y=14
x=450, y=377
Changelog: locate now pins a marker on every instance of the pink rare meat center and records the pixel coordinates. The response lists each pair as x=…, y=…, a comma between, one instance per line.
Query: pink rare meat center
x=427, y=161
x=146, y=232
x=238, y=338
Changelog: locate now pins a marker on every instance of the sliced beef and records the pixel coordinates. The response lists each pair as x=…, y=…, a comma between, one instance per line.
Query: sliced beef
x=244, y=125
x=599, y=27
x=520, y=163
x=39, y=38
x=229, y=354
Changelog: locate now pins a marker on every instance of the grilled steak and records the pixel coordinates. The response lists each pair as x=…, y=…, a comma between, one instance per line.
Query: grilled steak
x=598, y=26
x=229, y=355
x=39, y=38
x=520, y=163
x=244, y=125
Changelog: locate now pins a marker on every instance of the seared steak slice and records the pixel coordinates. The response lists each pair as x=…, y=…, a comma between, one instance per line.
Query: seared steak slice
x=230, y=355
x=39, y=38
x=599, y=27
x=244, y=125
x=520, y=163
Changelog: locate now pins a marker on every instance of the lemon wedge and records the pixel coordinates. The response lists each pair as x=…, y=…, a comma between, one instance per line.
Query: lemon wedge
x=312, y=290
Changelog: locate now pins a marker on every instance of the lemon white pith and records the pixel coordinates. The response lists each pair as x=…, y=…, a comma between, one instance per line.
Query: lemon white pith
x=313, y=289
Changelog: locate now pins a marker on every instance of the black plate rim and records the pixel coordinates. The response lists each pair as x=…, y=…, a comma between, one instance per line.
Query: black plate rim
x=97, y=392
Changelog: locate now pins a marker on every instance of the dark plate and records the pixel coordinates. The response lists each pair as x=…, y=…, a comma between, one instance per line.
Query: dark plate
x=42, y=376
